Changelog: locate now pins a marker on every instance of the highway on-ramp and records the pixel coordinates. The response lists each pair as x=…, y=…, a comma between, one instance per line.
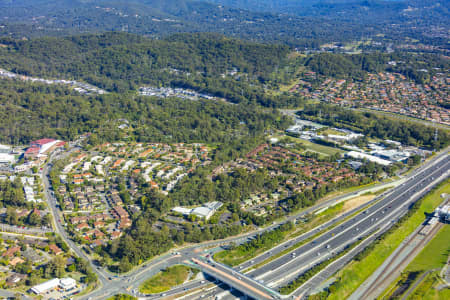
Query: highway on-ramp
x=291, y=266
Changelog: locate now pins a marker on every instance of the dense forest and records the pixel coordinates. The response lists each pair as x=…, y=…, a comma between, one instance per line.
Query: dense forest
x=11, y=194
x=297, y=23
x=121, y=62
x=418, y=67
x=363, y=12
x=32, y=111
x=374, y=125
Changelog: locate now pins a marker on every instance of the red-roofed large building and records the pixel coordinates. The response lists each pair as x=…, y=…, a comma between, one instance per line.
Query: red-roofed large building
x=40, y=146
x=41, y=142
x=31, y=152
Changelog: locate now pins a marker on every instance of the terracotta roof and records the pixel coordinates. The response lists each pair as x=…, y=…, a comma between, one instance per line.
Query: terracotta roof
x=10, y=252
x=42, y=142
x=55, y=249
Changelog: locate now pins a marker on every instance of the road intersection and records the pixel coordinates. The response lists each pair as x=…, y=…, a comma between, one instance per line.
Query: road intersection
x=283, y=269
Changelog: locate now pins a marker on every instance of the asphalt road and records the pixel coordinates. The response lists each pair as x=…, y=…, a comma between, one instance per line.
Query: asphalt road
x=130, y=282
x=280, y=271
x=242, y=283
x=387, y=211
x=123, y=284
x=58, y=221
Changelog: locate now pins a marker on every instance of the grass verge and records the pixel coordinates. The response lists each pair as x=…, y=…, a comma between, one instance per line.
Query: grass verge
x=354, y=274
x=322, y=218
x=433, y=256
x=122, y=297
x=427, y=289
x=166, y=279
x=263, y=242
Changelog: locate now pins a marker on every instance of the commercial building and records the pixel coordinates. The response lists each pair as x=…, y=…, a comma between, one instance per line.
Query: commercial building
x=6, y=158
x=42, y=146
x=203, y=212
x=65, y=283
x=392, y=155
x=46, y=286
x=206, y=211
x=5, y=149
x=364, y=156
x=182, y=210
x=444, y=213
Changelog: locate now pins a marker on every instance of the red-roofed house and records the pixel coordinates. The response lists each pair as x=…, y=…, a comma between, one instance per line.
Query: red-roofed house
x=96, y=243
x=11, y=251
x=82, y=226
x=99, y=224
x=55, y=249
x=15, y=261
x=122, y=213
x=98, y=234
x=115, y=234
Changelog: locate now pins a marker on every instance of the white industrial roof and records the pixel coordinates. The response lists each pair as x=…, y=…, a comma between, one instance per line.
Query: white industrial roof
x=372, y=158
x=182, y=210
x=48, y=285
x=4, y=157
x=213, y=205
x=202, y=212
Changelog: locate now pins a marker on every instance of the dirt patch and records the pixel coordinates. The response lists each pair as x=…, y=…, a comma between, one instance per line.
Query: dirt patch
x=357, y=201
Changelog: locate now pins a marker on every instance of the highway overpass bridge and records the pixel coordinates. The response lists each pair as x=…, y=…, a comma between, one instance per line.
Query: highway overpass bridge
x=246, y=285
x=284, y=269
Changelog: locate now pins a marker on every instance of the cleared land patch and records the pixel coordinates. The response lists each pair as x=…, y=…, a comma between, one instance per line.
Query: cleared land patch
x=166, y=279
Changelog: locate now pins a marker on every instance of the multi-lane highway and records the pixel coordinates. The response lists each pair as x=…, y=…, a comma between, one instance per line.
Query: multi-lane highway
x=244, y=284
x=283, y=269
x=381, y=215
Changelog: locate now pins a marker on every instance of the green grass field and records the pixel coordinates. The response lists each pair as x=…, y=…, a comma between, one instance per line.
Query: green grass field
x=331, y=131
x=354, y=274
x=434, y=255
x=313, y=147
x=165, y=280
x=426, y=290
x=122, y=297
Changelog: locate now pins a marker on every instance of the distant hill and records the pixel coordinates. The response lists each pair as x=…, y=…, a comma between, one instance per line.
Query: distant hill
x=341, y=8
x=120, y=62
x=362, y=11
x=306, y=23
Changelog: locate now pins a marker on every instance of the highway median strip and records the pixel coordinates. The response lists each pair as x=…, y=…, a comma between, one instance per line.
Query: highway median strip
x=299, y=244
x=248, y=250
x=305, y=276
x=368, y=260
